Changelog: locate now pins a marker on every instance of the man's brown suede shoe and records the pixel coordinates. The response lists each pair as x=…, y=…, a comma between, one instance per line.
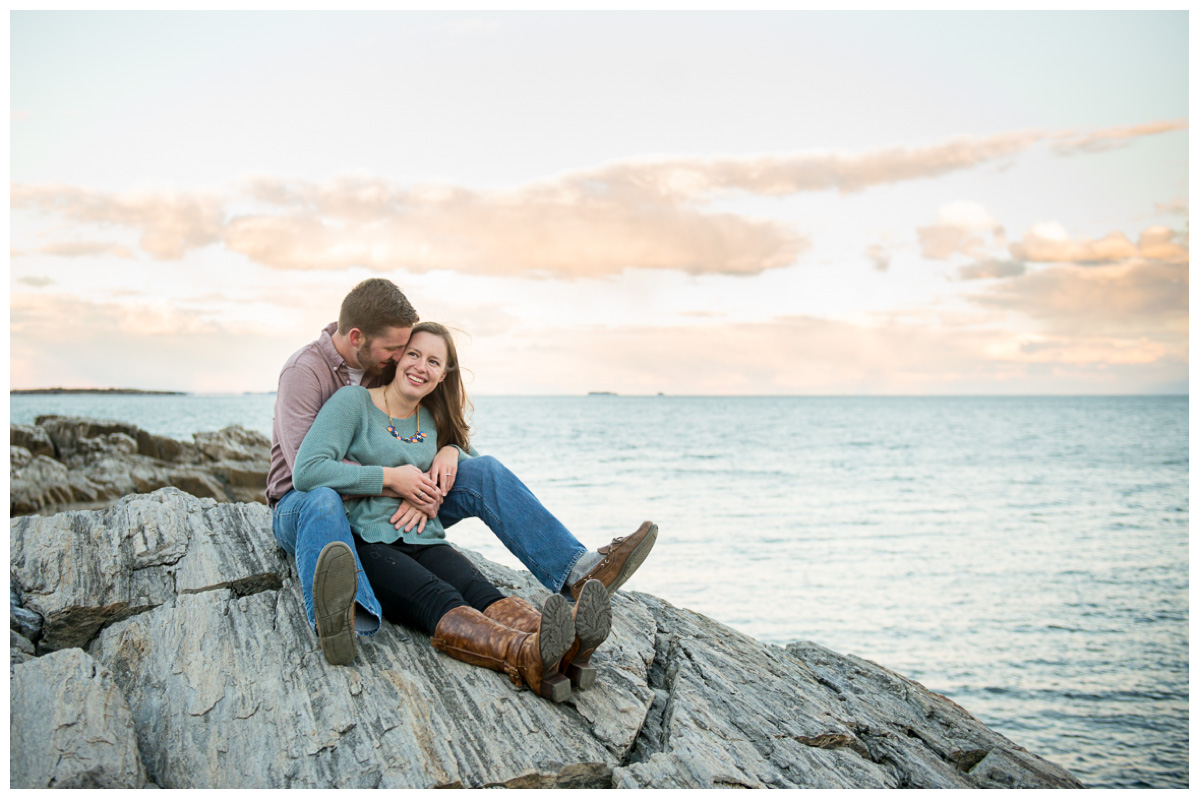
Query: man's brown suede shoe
x=621, y=559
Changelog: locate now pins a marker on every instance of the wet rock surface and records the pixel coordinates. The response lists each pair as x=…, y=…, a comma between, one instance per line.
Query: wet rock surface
x=181, y=623
x=63, y=463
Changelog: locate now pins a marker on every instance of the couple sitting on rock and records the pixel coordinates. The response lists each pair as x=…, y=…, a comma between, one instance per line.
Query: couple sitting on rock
x=373, y=412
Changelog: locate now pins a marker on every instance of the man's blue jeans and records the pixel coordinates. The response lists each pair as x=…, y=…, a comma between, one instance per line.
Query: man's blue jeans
x=304, y=522
x=487, y=489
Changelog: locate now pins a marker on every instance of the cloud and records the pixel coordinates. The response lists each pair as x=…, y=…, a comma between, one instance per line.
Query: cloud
x=792, y=173
x=1095, y=350
x=880, y=257
x=1109, y=138
x=1178, y=206
x=170, y=223
x=1144, y=298
x=564, y=227
x=647, y=213
x=957, y=231
x=1159, y=243
x=141, y=344
x=991, y=268
x=639, y=213
x=1050, y=242
x=35, y=281
x=911, y=353
x=75, y=249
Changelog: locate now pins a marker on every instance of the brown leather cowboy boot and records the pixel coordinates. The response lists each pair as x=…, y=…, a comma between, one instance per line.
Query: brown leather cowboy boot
x=593, y=621
x=526, y=657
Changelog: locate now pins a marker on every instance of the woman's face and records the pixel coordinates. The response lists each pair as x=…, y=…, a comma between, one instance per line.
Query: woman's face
x=421, y=366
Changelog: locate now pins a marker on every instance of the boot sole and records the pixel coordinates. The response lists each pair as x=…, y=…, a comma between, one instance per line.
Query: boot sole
x=593, y=623
x=555, y=637
x=635, y=560
x=335, y=584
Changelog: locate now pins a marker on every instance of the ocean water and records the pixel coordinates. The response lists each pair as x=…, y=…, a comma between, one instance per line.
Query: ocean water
x=1026, y=557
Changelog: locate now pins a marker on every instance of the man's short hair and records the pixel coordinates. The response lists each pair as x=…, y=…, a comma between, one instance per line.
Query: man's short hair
x=373, y=305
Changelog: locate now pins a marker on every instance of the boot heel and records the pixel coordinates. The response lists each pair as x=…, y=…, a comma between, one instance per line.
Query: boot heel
x=593, y=622
x=583, y=676
x=556, y=689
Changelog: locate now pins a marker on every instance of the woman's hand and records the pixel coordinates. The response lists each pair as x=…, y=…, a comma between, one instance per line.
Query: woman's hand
x=445, y=468
x=415, y=486
x=407, y=516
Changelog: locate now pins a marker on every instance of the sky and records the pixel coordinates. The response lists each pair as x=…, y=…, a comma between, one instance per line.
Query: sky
x=716, y=203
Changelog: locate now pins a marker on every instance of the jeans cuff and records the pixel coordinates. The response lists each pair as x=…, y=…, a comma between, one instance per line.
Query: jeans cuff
x=366, y=622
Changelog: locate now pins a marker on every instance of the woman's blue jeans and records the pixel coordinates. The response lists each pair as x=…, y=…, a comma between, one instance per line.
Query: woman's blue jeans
x=486, y=489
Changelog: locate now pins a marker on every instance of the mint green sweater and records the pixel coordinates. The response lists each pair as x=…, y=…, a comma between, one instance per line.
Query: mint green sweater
x=350, y=427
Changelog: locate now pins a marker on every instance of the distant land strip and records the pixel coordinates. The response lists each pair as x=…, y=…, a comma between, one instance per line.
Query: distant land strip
x=59, y=390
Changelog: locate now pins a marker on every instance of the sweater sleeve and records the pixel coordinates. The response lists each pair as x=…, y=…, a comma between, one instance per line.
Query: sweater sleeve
x=328, y=441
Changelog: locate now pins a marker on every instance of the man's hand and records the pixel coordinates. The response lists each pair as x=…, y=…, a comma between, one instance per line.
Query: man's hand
x=445, y=468
x=408, y=515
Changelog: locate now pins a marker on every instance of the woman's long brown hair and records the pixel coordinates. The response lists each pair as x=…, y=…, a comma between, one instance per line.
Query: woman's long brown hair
x=448, y=402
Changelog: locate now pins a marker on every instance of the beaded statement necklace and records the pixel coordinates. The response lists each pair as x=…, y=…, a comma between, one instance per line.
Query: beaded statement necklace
x=417, y=437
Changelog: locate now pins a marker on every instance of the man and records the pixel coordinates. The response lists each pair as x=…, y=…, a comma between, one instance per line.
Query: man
x=372, y=330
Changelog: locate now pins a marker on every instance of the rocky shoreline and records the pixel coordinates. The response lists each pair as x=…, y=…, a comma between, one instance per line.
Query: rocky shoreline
x=61, y=463
x=161, y=642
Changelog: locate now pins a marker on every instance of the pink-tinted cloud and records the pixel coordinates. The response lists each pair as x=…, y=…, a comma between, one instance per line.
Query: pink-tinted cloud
x=1163, y=244
x=1050, y=242
x=1095, y=141
x=560, y=229
x=170, y=223
x=647, y=213
x=75, y=249
x=879, y=256
x=140, y=344
x=792, y=173
x=991, y=268
x=1145, y=298
x=915, y=353
x=1178, y=206
x=962, y=228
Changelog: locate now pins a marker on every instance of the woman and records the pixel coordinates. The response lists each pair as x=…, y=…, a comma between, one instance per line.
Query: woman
x=393, y=433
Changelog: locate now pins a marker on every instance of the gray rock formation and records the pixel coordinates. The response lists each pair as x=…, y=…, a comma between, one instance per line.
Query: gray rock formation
x=65, y=463
x=70, y=727
x=188, y=611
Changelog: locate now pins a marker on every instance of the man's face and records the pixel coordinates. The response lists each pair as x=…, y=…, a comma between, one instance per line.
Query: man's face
x=374, y=354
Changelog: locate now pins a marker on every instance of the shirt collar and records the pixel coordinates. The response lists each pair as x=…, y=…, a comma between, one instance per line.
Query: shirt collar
x=325, y=345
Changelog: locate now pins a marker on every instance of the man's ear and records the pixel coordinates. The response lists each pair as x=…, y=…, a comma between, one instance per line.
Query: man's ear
x=356, y=337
